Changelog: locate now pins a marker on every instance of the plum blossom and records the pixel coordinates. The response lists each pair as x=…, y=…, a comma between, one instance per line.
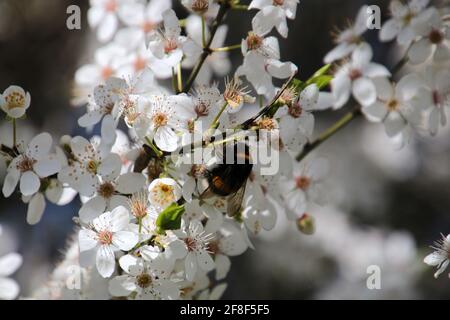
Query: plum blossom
x=163, y=192
x=15, y=101
x=168, y=44
x=262, y=62
x=350, y=38
x=30, y=165
x=103, y=14
x=307, y=186
x=397, y=106
x=404, y=17
x=440, y=257
x=434, y=35
x=356, y=77
x=108, y=234
x=148, y=279
x=195, y=248
x=273, y=14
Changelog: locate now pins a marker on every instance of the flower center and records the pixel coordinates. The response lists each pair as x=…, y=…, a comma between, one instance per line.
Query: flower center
x=163, y=194
x=393, y=105
x=437, y=98
x=302, y=182
x=15, y=100
x=278, y=2
x=436, y=36
x=147, y=26
x=254, y=41
x=202, y=109
x=160, y=119
x=170, y=45
x=295, y=110
x=191, y=244
x=355, y=74
x=198, y=170
x=200, y=6
x=105, y=237
x=138, y=205
x=107, y=72
x=111, y=5
x=26, y=164
x=139, y=64
x=213, y=247
x=92, y=166
x=267, y=124
x=106, y=190
x=144, y=280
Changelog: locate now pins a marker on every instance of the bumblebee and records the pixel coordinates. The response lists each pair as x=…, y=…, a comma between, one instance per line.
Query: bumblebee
x=229, y=180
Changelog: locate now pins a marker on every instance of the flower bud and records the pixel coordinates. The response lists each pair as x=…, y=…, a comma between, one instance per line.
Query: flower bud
x=306, y=224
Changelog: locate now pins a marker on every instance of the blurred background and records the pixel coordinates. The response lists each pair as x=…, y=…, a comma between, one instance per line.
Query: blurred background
x=386, y=206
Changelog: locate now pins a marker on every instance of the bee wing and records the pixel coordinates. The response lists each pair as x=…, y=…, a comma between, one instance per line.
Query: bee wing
x=234, y=201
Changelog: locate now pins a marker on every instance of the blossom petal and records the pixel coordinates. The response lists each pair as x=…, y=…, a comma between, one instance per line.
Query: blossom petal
x=105, y=261
x=29, y=183
x=10, y=183
x=87, y=240
x=190, y=265
x=9, y=264
x=125, y=240
x=9, y=289
x=129, y=183
x=36, y=208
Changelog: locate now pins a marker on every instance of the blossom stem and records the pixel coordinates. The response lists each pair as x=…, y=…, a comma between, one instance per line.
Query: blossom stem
x=203, y=32
x=158, y=152
x=14, y=133
x=228, y=48
x=215, y=122
x=239, y=7
x=174, y=81
x=340, y=124
x=224, y=7
x=179, y=78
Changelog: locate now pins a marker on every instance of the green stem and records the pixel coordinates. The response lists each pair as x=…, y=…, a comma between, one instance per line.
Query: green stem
x=215, y=122
x=174, y=81
x=340, y=124
x=228, y=48
x=179, y=78
x=203, y=32
x=224, y=7
x=14, y=133
x=158, y=152
x=239, y=7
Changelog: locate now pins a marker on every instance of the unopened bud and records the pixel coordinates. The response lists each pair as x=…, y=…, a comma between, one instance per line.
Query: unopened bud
x=306, y=224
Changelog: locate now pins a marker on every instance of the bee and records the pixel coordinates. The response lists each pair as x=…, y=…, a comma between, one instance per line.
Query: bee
x=229, y=180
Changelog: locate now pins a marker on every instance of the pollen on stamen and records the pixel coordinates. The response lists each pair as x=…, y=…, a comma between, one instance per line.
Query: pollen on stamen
x=105, y=237
x=302, y=182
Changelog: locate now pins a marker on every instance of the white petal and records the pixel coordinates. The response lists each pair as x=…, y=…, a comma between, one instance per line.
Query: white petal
x=376, y=111
x=129, y=183
x=166, y=139
x=394, y=124
x=87, y=240
x=190, y=264
x=29, y=183
x=92, y=209
x=223, y=265
x=47, y=166
x=107, y=27
x=125, y=240
x=364, y=91
x=390, y=30
x=205, y=261
x=9, y=289
x=120, y=218
x=122, y=286
x=105, y=261
x=40, y=145
x=36, y=208
x=9, y=264
x=10, y=183
x=90, y=118
x=419, y=51
x=434, y=259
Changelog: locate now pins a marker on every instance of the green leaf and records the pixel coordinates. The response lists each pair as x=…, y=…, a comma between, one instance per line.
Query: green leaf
x=170, y=218
x=321, y=81
x=321, y=71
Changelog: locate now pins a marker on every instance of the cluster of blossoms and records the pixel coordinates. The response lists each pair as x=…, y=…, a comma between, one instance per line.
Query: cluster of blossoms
x=147, y=230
